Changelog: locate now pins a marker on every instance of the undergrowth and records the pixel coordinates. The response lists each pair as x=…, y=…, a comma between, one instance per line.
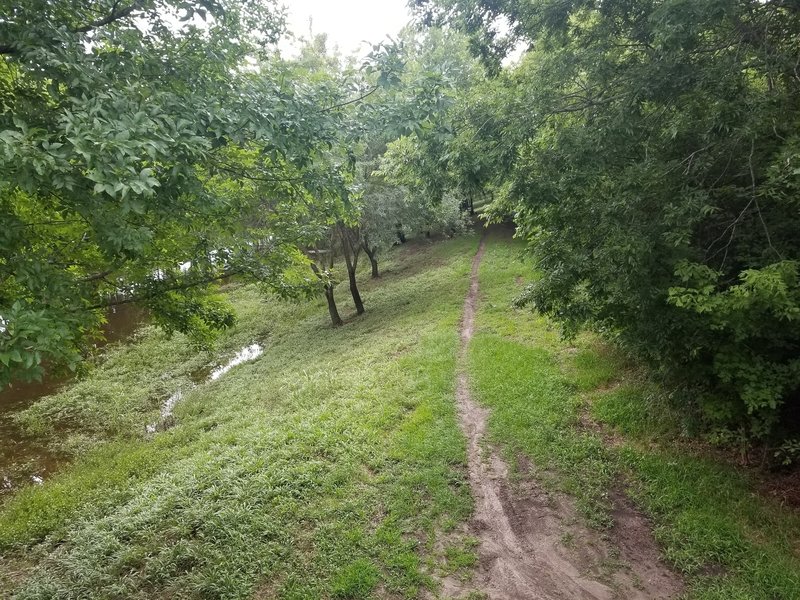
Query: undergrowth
x=578, y=410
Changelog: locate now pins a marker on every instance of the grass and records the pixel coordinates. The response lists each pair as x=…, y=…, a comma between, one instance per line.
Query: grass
x=333, y=466
x=323, y=469
x=548, y=398
x=515, y=368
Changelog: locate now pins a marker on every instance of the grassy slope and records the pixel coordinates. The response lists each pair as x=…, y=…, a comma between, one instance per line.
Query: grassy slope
x=325, y=468
x=731, y=543
x=322, y=469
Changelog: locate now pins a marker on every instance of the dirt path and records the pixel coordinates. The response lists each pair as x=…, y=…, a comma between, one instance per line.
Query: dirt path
x=531, y=543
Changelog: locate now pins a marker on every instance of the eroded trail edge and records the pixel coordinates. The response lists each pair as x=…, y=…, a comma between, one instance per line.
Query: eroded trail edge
x=522, y=529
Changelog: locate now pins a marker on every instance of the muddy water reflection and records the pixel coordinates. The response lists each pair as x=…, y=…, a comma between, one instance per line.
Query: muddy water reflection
x=28, y=458
x=204, y=375
x=24, y=458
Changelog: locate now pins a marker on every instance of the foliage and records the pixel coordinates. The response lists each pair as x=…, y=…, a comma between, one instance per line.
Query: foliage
x=148, y=150
x=422, y=211
x=789, y=452
x=401, y=178
x=384, y=211
x=648, y=152
x=559, y=403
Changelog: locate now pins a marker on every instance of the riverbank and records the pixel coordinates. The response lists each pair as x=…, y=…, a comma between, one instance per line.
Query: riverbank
x=28, y=456
x=325, y=464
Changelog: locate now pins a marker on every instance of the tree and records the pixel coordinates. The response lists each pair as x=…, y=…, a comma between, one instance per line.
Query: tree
x=401, y=177
x=340, y=207
x=351, y=244
x=382, y=215
x=428, y=206
x=322, y=260
x=139, y=138
x=648, y=153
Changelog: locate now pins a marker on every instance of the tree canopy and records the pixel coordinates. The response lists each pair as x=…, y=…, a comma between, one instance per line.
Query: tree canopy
x=152, y=148
x=649, y=153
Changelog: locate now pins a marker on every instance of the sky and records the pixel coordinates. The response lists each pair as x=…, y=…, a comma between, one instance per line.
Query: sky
x=348, y=22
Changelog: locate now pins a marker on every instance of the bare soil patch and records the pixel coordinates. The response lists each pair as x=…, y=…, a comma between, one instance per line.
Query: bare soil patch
x=784, y=487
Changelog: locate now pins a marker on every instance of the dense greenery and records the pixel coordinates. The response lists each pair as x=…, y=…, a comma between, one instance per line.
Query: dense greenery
x=314, y=473
x=649, y=153
x=165, y=153
x=543, y=392
x=151, y=149
x=117, y=123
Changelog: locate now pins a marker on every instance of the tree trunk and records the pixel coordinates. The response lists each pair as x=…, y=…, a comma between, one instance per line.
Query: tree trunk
x=351, y=252
x=372, y=254
x=336, y=320
x=351, y=274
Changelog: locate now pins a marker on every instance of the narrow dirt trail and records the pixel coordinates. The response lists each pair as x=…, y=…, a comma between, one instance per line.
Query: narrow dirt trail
x=521, y=528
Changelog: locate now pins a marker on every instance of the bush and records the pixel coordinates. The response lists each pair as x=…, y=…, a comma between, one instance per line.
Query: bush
x=651, y=160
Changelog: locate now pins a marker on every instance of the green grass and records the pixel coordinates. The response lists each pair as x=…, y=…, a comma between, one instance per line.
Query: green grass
x=714, y=527
x=333, y=465
x=461, y=559
x=516, y=369
x=324, y=468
